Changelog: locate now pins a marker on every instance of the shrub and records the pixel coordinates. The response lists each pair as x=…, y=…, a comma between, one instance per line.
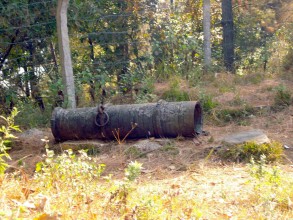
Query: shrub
x=245, y=152
x=67, y=169
x=282, y=97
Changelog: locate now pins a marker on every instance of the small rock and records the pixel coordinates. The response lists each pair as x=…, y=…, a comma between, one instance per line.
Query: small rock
x=87, y=144
x=147, y=145
x=172, y=167
x=286, y=147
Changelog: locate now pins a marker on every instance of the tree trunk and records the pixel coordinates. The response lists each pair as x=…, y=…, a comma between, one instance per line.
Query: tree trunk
x=4, y=56
x=53, y=54
x=228, y=35
x=92, y=89
x=123, y=52
x=65, y=54
x=26, y=82
x=207, y=34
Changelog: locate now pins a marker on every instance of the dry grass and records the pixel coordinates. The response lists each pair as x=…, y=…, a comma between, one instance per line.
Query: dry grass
x=205, y=191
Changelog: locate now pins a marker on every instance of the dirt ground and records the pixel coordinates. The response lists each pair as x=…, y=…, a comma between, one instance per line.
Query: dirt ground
x=187, y=153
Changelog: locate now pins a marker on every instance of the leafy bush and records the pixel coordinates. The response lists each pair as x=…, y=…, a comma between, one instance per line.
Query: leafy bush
x=5, y=138
x=244, y=152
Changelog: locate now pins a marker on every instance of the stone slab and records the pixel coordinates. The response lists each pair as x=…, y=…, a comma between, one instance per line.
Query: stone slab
x=257, y=136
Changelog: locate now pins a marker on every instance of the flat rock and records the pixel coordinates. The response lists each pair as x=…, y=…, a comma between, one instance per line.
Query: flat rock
x=83, y=144
x=147, y=145
x=256, y=136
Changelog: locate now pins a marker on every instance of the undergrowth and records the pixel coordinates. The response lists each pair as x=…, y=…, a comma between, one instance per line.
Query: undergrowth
x=282, y=97
x=272, y=189
x=5, y=138
x=245, y=152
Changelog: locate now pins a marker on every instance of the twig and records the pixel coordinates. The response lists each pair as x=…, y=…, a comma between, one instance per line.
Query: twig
x=30, y=155
x=116, y=133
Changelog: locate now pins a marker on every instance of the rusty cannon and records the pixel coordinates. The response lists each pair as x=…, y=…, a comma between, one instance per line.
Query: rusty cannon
x=162, y=119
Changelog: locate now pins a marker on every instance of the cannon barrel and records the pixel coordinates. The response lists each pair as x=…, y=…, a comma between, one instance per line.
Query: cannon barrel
x=162, y=119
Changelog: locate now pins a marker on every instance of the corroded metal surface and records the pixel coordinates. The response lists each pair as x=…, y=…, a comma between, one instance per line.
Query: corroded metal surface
x=162, y=119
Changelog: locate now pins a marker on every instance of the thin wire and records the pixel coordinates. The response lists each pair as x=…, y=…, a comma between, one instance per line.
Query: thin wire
x=28, y=26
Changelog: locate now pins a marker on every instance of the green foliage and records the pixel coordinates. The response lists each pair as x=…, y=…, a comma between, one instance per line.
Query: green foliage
x=238, y=115
x=30, y=115
x=252, y=40
x=6, y=136
x=287, y=62
x=282, y=97
x=145, y=91
x=175, y=93
x=244, y=152
x=170, y=149
x=145, y=98
x=133, y=171
x=71, y=169
x=133, y=152
x=272, y=189
x=207, y=102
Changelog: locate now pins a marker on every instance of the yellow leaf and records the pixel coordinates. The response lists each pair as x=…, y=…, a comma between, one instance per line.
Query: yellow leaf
x=46, y=216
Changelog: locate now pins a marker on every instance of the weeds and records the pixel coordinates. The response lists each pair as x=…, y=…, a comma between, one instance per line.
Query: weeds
x=244, y=152
x=282, y=97
x=133, y=152
x=207, y=102
x=175, y=93
x=67, y=169
x=272, y=189
x=170, y=149
x=5, y=138
x=240, y=115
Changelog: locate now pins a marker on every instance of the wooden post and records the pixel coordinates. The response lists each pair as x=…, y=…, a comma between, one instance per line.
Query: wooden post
x=65, y=54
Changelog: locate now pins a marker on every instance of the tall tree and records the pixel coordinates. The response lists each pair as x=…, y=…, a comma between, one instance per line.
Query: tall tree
x=64, y=50
x=228, y=35
x=207, y=34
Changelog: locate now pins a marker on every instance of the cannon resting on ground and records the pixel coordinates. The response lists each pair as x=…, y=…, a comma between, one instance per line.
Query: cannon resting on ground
x=162, y=119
